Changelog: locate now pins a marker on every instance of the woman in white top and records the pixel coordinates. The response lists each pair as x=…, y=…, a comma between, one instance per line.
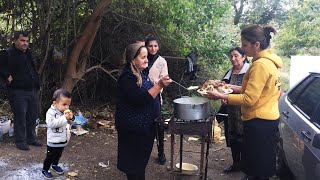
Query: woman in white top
x=158, y=68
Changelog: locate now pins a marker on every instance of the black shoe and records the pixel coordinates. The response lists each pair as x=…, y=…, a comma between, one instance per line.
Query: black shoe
x=232, y=168
x=35, y=143
x=57, y=169
x=161, y=159
x=47, y=174
x=244, y=178
x=23, y=147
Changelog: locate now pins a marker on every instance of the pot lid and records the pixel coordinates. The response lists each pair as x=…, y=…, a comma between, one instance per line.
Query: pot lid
x=191, y=100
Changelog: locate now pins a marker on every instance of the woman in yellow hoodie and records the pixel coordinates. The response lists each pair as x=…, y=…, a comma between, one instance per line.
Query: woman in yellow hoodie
x=258, y=99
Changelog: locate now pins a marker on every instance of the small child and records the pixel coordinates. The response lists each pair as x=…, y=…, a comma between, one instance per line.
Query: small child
x=57, y=119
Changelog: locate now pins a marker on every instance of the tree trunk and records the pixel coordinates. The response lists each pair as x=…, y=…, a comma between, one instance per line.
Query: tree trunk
x=77, y=62
x=238, y=11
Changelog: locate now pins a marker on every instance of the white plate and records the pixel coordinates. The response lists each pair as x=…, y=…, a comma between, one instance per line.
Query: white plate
x=192, y=88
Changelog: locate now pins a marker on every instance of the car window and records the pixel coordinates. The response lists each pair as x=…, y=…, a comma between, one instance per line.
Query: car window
x=309, y=97
x=294, y=94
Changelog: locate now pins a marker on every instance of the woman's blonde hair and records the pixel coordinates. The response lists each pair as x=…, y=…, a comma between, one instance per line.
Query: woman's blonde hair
x=132, y=51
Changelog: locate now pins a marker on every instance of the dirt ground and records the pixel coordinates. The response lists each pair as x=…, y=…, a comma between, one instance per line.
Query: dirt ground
x=84, y=153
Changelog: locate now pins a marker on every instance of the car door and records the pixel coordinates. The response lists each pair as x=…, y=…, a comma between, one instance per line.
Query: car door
x=291, y=143
x=298, y=128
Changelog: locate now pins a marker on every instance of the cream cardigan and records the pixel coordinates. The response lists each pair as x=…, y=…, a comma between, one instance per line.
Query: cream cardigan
x=158, y=70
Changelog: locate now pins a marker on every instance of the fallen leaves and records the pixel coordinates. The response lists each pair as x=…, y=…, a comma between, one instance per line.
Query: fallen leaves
x=73, y=173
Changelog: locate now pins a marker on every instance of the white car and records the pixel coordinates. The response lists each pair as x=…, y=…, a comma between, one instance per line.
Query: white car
x=299, y=128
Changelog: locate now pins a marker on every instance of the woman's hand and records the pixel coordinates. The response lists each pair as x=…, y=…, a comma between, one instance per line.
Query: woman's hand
x=10, y=78
x=224, y=102
x=164, y=81
x=214, y=95
x=157, y=88
x=236, y=89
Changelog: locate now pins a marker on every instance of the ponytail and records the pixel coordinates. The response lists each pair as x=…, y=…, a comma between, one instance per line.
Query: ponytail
x=256, y=33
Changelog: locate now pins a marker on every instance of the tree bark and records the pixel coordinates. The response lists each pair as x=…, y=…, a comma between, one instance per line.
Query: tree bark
x=46, y=35
x=77, y=62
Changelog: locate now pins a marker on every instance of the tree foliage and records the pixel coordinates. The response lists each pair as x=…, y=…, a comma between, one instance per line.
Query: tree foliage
x=54, y=26
x=185, y=26
x=300, y=33
x=209, y=28
x=261, y=11
x=205, y=27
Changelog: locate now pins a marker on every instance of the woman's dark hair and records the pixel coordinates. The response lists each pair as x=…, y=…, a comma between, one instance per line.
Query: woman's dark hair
x=149, y=38
x=138, y=39
x=256, y=33
x=240, y=52
x=61, y=93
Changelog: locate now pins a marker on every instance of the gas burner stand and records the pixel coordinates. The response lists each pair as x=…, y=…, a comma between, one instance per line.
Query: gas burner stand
x=202, y=128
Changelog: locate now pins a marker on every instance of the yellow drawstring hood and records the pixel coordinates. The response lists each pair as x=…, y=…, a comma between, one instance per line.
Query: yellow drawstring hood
x=268, y=54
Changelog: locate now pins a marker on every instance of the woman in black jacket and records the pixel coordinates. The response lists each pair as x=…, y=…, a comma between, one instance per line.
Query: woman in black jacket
x=138, y=106
x=233, y=125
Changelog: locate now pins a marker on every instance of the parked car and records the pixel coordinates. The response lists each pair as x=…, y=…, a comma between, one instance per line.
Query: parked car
x=299, y=129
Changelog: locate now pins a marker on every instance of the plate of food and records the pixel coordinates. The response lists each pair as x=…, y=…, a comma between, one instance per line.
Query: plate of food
x=214, y=85
x=202, y=92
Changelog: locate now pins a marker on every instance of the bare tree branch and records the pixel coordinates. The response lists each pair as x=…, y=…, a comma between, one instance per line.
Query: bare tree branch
x=104, y=70
x=81, y=49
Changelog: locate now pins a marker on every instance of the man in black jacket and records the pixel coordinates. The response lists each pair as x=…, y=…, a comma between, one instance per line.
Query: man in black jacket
x=18, y=68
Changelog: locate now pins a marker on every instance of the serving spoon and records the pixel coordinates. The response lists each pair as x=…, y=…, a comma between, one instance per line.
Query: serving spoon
x=188, y=89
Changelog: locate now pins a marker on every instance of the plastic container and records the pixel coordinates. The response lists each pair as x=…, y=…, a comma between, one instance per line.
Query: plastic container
x=37, y=126
x=5, y=126
x=1, y=134
x=187, y=168
x=11, y=131
x=3, y=119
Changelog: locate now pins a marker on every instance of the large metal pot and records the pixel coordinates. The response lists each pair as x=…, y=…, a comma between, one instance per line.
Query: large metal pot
x=192, y=108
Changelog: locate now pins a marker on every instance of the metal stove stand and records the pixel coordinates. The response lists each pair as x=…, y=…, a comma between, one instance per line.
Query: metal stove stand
x=202, y=128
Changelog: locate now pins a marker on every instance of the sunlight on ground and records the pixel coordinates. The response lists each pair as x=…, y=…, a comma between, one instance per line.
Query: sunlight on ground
x=28, y=171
